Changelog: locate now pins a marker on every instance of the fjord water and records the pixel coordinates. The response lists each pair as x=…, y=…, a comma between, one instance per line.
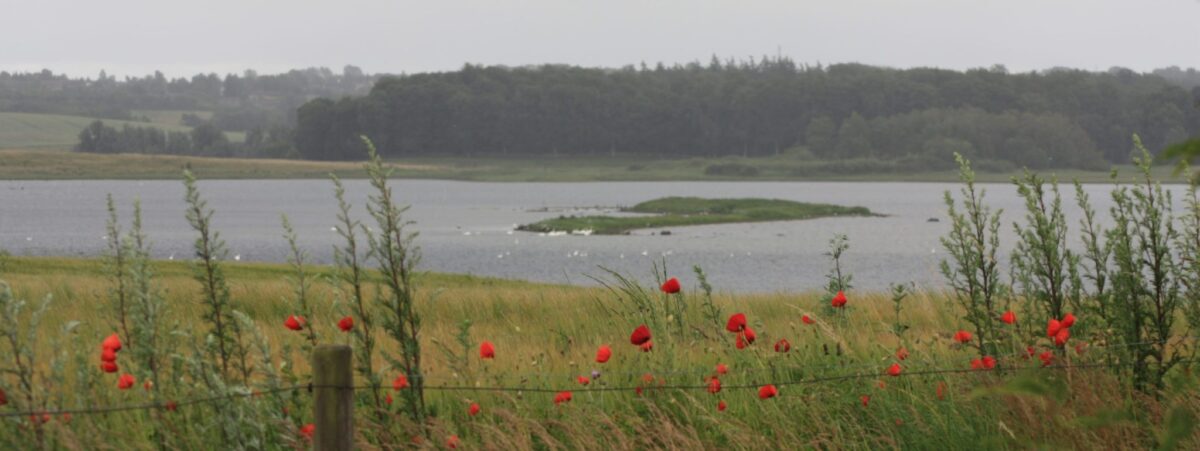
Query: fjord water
x=466, y=227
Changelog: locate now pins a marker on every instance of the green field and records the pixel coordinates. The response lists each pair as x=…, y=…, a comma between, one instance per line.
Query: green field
x=685, y=211
x=36, y=165
x=59, y=132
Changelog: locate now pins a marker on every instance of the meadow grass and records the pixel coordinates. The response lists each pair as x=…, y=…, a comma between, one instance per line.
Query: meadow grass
x=684, y=211
x=547, y=335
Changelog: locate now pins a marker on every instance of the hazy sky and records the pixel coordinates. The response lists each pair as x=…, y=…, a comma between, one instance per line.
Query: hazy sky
x=183, y=37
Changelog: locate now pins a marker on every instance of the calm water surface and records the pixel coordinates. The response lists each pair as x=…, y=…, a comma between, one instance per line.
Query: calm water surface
x=466, y=227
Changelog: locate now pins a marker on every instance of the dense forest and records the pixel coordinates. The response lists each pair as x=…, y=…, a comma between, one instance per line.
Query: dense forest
x=237, y=102
x=1053, y=118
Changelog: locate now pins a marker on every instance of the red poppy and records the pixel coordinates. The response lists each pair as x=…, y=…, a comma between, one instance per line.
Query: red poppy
x=782, y=345
x=741, y=341
x=722, y=369
x=345, y=324
x=865, y=399
x=638, y=390
x=452, y=442
x=486, y=350
x=1080, y=347
x=839, y=300
x=1030, y=351
x=721, y=406
x=671, y=286
x=1052, y=327
x=1068, y=320
x=388, y=399
x=172, y=406
x=400, y=382
x=736, y=322
x=112, y=342
x=806, y=320
x=640, y=335
x=108, y=355
x=294, y=322
x=1008, y=317
x=714, y=385
x=1047, y=358
x=902, y=353
x=603, y=353
x=125, y=381
x=767, y=391
x=988, y=362
x=561, y=397
x=1062, y=336
x=474, y=409
x=962, y=336
x=941, y=390
x=648, y=378
x=894, y=370
x=583, y=380
x=307, y=431
x=976, y=364
x=3, y=397
x=108, y=367
x=750, y=335
x=647, y=346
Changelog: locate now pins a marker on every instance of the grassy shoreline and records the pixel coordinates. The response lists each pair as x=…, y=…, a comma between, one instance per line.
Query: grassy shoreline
x=688, y=211
x=62, y=165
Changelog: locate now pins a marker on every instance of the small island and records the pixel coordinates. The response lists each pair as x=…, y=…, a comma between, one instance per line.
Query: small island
x=686, y=211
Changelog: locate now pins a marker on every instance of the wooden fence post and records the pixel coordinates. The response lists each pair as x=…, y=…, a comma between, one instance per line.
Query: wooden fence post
x=333, y=402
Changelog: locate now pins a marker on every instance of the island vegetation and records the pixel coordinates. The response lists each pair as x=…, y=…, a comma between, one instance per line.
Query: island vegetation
x=688, y=211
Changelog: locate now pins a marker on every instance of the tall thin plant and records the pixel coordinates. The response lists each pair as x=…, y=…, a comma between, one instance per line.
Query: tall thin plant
x=973, y=243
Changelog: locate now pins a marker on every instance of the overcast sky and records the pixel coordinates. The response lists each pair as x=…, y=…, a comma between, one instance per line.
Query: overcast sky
x=135, y=37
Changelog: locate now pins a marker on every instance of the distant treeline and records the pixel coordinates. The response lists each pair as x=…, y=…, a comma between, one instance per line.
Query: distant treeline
x=1056, y=118
x=204, y=140
x=238, y=102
